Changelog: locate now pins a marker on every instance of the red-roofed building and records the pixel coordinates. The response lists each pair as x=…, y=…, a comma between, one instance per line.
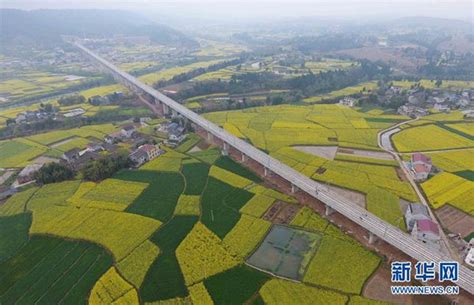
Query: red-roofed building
x=419, y=158
x=420, y=166
x=427, y=231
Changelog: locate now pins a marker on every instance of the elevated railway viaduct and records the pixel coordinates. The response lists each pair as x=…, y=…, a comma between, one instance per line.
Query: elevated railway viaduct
x=376, y=227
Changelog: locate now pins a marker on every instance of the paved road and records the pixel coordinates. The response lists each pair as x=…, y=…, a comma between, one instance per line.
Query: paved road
x=385, y=143
x=372, y=223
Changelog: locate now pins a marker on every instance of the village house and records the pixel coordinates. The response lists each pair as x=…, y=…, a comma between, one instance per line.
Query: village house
x=412, y=111
x=74, y=112
x=6, y=191
x=441, y=107
x=420, y=166
x=71, y=155
x=145, y=153
x=427, y=231
x=348, y=101
x=469, y=259
x=127, y=131
x=94, y=147
x=113, y=138
x=414, y=212
x=26, y=174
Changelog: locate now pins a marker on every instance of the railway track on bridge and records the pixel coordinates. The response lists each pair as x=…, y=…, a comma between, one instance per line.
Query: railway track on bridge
x=361, y=216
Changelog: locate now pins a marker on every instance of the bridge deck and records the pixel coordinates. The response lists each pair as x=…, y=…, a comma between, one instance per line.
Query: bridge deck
x=362, y=217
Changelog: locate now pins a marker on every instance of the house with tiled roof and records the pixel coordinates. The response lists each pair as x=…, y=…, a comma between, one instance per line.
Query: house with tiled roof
x=427, y=231
x=145, y=153
x=420, y=166
x=414, y=212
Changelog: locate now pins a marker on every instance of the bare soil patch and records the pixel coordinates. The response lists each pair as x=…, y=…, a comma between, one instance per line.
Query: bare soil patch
x=281, y=212
x=352, y=196
x=455, y=220
x=328, y=152
x=365, y=153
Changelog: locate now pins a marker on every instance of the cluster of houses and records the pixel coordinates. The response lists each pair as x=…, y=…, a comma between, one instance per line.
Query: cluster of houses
x=30, y=116
x=349, y=101
x=421, y=225
x=420, y=102
x=175, y=132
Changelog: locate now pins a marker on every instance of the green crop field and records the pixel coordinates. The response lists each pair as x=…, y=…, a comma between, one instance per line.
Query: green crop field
x=50, y=270
x=229, y=288
x=149, y=235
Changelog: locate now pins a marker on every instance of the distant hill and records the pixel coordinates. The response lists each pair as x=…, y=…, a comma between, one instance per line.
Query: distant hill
x=46, y=26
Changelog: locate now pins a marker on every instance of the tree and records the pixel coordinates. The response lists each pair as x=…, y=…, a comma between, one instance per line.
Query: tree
x=97, y=170
x=53, y=172
x=10, y=121
x=438, y=83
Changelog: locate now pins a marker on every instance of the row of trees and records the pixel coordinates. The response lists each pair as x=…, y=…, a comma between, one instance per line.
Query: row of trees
x=305, y=85
x=196, y=72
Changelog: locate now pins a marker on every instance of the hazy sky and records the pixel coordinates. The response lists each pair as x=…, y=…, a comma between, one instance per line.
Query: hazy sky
x=246, y=9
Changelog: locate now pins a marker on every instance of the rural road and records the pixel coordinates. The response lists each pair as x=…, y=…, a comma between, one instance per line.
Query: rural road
x=385, y=143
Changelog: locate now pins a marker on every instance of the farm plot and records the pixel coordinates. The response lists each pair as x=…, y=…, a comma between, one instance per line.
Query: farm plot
x=52, y=271
x=428, y=137
x=449, y=188
x=361, y=88
x=202, y=254
x=220, y=204
x=385, y=205
x=327, y=266
x=208, y=156
x=188, y=205
x=258, y=205
x=229, y=177
x=232, y=166
x=112, y=194
x=308, y=219
x=14, y=234
x=54, y=194
x=135, y=265
x=196, y=177
x=454, y=161
x=56, y=136
x=164, y=279
x=246, y=234
x=167, y=74
x=119, y=232
x=235, y=286
x=17, y=152
x=111, y=288
x=199, y=294
x=285, y=252
x=277, y=291
x=17, y=203
x=159, y=199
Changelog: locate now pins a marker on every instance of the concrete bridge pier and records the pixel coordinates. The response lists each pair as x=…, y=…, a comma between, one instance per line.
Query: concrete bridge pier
x=328, y=211
x=225, y=149
x=294, y=188
x=174, y=112
x=210, y=137
x=244, y=157
x=372, y=238
x=266, y=171
x=166, y=109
